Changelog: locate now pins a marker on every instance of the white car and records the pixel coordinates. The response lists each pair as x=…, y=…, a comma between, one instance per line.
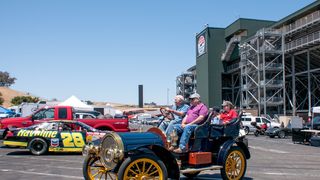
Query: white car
x=246, y=122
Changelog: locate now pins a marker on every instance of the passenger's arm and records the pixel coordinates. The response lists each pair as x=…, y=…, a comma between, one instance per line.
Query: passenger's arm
x=183, y=124
x=178, y=113
x=198, y=120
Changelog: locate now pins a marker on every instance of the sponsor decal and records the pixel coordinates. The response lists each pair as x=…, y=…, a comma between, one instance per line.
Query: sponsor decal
x=72, y=139
x=32, y=133
x=54, y=142
x=201, y=45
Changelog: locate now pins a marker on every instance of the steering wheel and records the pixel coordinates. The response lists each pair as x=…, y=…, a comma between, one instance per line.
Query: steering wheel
x=166, y=113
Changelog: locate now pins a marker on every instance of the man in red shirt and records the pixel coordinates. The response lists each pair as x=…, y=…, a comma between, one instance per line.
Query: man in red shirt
x=228, y=112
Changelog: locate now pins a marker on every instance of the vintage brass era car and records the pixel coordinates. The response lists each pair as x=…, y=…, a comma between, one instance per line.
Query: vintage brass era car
x=145, y=155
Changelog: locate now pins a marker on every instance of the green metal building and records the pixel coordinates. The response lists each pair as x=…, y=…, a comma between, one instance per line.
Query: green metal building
x=214, y=75
x=271, y=67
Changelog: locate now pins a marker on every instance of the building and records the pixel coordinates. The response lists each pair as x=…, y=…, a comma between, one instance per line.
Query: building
x=186, y=83
x=271, y=67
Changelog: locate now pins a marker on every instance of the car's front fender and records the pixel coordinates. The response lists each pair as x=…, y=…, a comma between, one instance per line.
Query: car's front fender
x=225, y=147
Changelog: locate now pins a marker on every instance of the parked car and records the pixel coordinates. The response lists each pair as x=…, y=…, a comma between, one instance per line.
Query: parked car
x=247, y=120
x=52, y=136
x=6, y=113
x=145, y=155
x=316, y=123
x=64, y=113
x=281, y=132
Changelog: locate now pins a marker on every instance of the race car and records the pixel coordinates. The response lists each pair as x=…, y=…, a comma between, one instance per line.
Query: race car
x=53, y=136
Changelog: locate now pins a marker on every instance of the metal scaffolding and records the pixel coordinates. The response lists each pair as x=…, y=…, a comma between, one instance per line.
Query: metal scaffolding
x=186, y=84
x=282, y=65
x=302, y=40
x=262, y=72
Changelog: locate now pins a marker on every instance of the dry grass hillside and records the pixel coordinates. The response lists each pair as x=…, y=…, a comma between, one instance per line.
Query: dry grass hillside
x=8, y=94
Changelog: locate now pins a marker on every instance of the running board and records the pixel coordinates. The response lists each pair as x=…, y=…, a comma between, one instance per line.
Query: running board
x=193, y=170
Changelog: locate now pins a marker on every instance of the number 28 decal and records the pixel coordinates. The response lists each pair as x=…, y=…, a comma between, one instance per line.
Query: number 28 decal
x=72, y=139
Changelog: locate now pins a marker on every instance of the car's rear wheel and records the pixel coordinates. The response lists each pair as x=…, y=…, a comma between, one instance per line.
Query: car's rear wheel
x=281, y=134
x=94, y=169
x=145, y=166
x=235, y=164
x=246, y=130
x=191, y=175
x=38, y=146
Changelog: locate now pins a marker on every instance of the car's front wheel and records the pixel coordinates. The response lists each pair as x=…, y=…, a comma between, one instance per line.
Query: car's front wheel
x=144, y=166
x=235, y=164
x=246, y=130
x=281, y=134
x=38, y=146
x=94, y=169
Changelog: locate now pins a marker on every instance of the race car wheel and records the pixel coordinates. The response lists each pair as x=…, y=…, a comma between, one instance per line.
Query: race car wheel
x=281, y=134
x=145, y=166
x=93, y=169
x=235, y=164
x=191, y=175
x=38, y=146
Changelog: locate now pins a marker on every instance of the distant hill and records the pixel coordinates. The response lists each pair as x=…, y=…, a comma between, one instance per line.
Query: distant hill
x=8, y=94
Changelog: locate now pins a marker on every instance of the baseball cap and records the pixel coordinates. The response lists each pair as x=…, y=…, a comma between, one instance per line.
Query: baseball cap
x=195, y=95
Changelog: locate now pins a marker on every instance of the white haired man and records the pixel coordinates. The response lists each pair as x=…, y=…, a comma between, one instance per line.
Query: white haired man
x=179, y=110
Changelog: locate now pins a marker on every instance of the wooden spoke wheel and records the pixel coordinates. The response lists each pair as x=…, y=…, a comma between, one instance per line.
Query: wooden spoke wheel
x=143, y=167
x=235, y=164
x=93, y=169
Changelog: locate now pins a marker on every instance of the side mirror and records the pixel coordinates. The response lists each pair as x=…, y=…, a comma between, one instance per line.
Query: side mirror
x=32, y=117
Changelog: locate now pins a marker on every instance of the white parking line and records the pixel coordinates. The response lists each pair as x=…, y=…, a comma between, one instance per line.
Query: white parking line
x=291, y=174
x=43, y=174
x=40, y=158
x=268, y=150
x=41, y=165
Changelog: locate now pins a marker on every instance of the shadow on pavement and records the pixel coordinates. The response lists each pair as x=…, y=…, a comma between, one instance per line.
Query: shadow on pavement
x=26, y=152
x=210, y=176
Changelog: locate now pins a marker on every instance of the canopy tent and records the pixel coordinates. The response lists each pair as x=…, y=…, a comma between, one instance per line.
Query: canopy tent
x=316, y=109
x=76, y=103
x=5, y=113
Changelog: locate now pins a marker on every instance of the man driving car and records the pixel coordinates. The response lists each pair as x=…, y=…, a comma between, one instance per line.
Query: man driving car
x=195, y=116
x=178, y=111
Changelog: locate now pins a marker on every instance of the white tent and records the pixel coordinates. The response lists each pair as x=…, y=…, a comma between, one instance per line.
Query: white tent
x=76, y=103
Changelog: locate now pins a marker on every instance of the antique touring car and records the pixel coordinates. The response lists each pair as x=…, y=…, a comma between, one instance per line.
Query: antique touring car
x=54, y=136
x=145, y=155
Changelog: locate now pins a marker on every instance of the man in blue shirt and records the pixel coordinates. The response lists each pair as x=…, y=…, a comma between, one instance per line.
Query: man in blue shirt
x=179, y=110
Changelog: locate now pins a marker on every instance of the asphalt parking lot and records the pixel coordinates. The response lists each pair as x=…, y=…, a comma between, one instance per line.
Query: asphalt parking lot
x=271, y=159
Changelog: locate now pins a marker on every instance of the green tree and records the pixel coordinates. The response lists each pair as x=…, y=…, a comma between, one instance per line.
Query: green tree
x=1, y=99
x=20, y=99
x=6, y=80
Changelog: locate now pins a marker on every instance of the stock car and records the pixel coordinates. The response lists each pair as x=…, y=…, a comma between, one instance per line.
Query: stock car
x=53, y=136
x=145, y=155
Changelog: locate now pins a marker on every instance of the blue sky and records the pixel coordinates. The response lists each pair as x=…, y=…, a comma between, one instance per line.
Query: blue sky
x=101, y=50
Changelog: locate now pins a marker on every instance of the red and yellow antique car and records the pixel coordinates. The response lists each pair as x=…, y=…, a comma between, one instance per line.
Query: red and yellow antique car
x=145, y=155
